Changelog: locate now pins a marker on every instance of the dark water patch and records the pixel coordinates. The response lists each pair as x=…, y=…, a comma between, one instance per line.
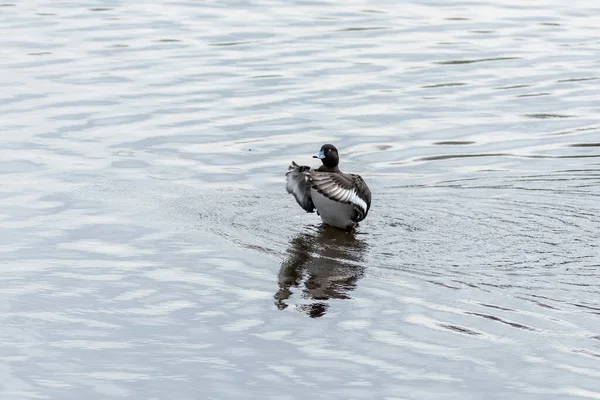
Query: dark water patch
x=459, y=329
x=374, y=11
x=41, y=53
x=366, y=28
x=539, y=303
x=457, y=19
x=587, y=352
x=534, y=94
x=485, y=32
x=99, y=9
x=574, y=156
x=503, y=321
x=547, y=116
x=239, y=43
x=469, y=284
x=497, y=307
x=266, y=76
x=444, y=285
x=539, y=296
x=588, y=307
x=454, y=143
x=168, y=41
x=458, y=62
x=323, y=18
x=578, y=79
x=593, y=128
x=444, y=85
x=549, y=23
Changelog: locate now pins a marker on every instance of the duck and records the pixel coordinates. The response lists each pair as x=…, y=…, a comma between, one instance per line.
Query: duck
x=341, y=200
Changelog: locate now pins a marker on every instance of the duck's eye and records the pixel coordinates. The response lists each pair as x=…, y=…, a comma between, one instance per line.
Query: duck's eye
x=329, y=150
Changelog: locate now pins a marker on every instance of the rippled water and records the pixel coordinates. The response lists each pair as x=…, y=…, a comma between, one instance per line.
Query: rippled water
x=149, y=249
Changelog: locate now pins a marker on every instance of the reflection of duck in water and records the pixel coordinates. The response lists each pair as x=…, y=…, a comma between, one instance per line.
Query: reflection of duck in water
x=342, y=200
x=328, y=263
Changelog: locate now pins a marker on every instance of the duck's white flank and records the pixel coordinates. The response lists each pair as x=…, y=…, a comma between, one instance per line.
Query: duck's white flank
x=333, y=212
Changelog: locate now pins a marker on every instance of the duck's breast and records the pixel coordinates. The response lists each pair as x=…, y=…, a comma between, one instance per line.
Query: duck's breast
x=332, y=212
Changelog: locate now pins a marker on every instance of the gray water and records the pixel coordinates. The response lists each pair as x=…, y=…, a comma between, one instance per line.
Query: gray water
x=149, y=251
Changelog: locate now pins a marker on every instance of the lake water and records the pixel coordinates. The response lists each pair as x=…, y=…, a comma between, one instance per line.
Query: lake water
x=149, y=251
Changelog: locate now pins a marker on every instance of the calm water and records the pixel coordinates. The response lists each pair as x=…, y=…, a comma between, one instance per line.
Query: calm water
x=149, y=250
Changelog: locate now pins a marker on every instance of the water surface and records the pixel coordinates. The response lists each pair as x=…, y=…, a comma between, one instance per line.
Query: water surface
x=149, y=250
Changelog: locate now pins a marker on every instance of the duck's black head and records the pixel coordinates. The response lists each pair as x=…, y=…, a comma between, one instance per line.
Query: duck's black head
x=328, y=155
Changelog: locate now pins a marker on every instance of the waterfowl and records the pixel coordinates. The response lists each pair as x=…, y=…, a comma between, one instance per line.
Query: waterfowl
x=341, y=200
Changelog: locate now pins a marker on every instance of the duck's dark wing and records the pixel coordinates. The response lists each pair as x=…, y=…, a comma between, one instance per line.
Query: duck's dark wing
x=296, y=183
x=345, y=188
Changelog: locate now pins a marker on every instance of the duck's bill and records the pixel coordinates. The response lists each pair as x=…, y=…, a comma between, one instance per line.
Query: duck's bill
x=321, y=155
